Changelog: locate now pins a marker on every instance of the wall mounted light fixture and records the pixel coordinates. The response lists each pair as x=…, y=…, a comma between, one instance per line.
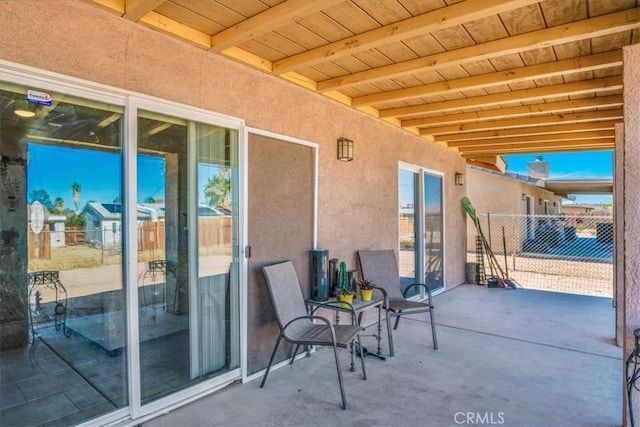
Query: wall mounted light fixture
x=459, y=178
x=539, y=201
x=345, y=149
x=524, y=196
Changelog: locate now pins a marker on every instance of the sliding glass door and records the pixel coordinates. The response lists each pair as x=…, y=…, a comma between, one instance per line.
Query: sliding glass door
x=120, y=283
x=420, y=226
x=187, y=207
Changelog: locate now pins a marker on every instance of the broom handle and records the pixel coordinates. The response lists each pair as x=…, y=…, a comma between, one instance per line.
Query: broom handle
x=504, y=248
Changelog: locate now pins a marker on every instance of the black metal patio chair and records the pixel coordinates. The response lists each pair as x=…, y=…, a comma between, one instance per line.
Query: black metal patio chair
x=297, y=327
x=381, y=268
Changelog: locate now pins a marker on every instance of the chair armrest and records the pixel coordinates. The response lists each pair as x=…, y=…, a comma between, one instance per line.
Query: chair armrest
x=429, y=297
x=385, y=296
x=323, y=319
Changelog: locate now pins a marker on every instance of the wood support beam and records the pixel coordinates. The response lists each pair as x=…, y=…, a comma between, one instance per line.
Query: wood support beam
x=271, y=19
x=566, y=89
x=556, y=137
x=535, y=130
x=176, y=29
x=566, y=33
x=552, y=147
x=589, y=116
x=136, y=9
x=523, y=110
x=515, y=75
x=438, y=19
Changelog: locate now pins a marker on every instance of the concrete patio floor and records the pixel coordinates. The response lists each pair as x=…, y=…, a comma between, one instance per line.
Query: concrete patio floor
x=505, y=357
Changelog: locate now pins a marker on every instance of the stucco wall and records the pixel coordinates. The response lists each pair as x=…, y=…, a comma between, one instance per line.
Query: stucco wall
x=630, y=261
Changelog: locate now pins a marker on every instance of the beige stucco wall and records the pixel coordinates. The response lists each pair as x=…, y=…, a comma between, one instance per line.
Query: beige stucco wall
x=357, y=200
x=630, y=260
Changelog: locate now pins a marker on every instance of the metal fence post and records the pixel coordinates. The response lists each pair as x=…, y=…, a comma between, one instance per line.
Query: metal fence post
x=513, y=242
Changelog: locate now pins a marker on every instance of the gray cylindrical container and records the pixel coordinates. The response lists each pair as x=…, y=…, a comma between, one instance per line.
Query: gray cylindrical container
x=319, y=274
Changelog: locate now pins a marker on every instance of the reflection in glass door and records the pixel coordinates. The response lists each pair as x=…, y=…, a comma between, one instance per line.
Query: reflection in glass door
x=187, y=240
x=407, y=226
x=420, y=227
x=433, y=223
x=62, y=323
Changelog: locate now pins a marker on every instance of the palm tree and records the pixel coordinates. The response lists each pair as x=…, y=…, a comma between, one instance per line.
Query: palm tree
x=75, y=189
x=218, y=188
x=59, y=204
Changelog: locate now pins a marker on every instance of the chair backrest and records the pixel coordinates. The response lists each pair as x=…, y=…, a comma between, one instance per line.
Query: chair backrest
x=381, y=268
x=286, y=295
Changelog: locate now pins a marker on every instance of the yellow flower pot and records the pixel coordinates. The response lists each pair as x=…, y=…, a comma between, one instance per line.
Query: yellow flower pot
x=345, y=298
x=366, y=294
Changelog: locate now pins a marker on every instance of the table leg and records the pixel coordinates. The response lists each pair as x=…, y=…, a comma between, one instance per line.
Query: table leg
x=379, y=335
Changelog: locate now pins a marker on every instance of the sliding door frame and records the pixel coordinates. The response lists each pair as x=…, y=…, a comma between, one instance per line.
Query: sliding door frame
x=420, y=238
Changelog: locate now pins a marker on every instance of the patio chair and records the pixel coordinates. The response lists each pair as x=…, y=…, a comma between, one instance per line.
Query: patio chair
x=381, y=268
x=297, y=327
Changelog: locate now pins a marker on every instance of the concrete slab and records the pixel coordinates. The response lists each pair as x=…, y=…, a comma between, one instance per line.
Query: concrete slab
x=516, y=358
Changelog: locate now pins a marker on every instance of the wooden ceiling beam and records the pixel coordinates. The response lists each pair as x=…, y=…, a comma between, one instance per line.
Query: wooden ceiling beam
x=134, y=10
x=438, y=19
x=565, y=33
x=589, y=116
x=271, y=19
x=555, y=137
x=514, y=75
x=536, y=148
x=535, y=130
x=521, y=110
x=176, y=29
x=565, y=89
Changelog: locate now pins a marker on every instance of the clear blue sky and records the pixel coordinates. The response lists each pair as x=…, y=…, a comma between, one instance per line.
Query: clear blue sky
x=98, y=173
x=588, y=164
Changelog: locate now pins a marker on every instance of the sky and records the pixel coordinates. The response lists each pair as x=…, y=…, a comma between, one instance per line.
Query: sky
x=56, y=169
x=588, y=164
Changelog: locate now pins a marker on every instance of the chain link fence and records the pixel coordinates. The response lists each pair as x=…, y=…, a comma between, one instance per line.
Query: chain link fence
x=561, y=253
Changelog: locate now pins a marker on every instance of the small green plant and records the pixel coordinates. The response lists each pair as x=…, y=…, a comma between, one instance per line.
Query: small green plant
x=407, y=244
x=366, y=284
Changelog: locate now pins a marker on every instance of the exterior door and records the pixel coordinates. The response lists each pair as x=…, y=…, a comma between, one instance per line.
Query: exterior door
x=281, y=224
x=421, y=227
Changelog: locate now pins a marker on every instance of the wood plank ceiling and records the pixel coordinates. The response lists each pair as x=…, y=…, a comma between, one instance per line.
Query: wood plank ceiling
x=483, y=77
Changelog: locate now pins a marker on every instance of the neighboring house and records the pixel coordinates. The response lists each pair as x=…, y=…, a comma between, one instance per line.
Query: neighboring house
x=508, y=194
x=585, y=210
x=104, y=222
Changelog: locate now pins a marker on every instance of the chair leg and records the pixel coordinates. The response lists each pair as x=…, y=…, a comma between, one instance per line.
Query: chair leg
x=353, y=355
x=294, y=354
x=389, y=334
x=397, y=319
x=433, y=330
x=335, y=353
x=364, y=371
x=273, y=354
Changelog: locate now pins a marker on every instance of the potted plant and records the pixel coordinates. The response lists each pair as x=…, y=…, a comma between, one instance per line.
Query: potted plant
x=344, y=290
x=366, y=289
